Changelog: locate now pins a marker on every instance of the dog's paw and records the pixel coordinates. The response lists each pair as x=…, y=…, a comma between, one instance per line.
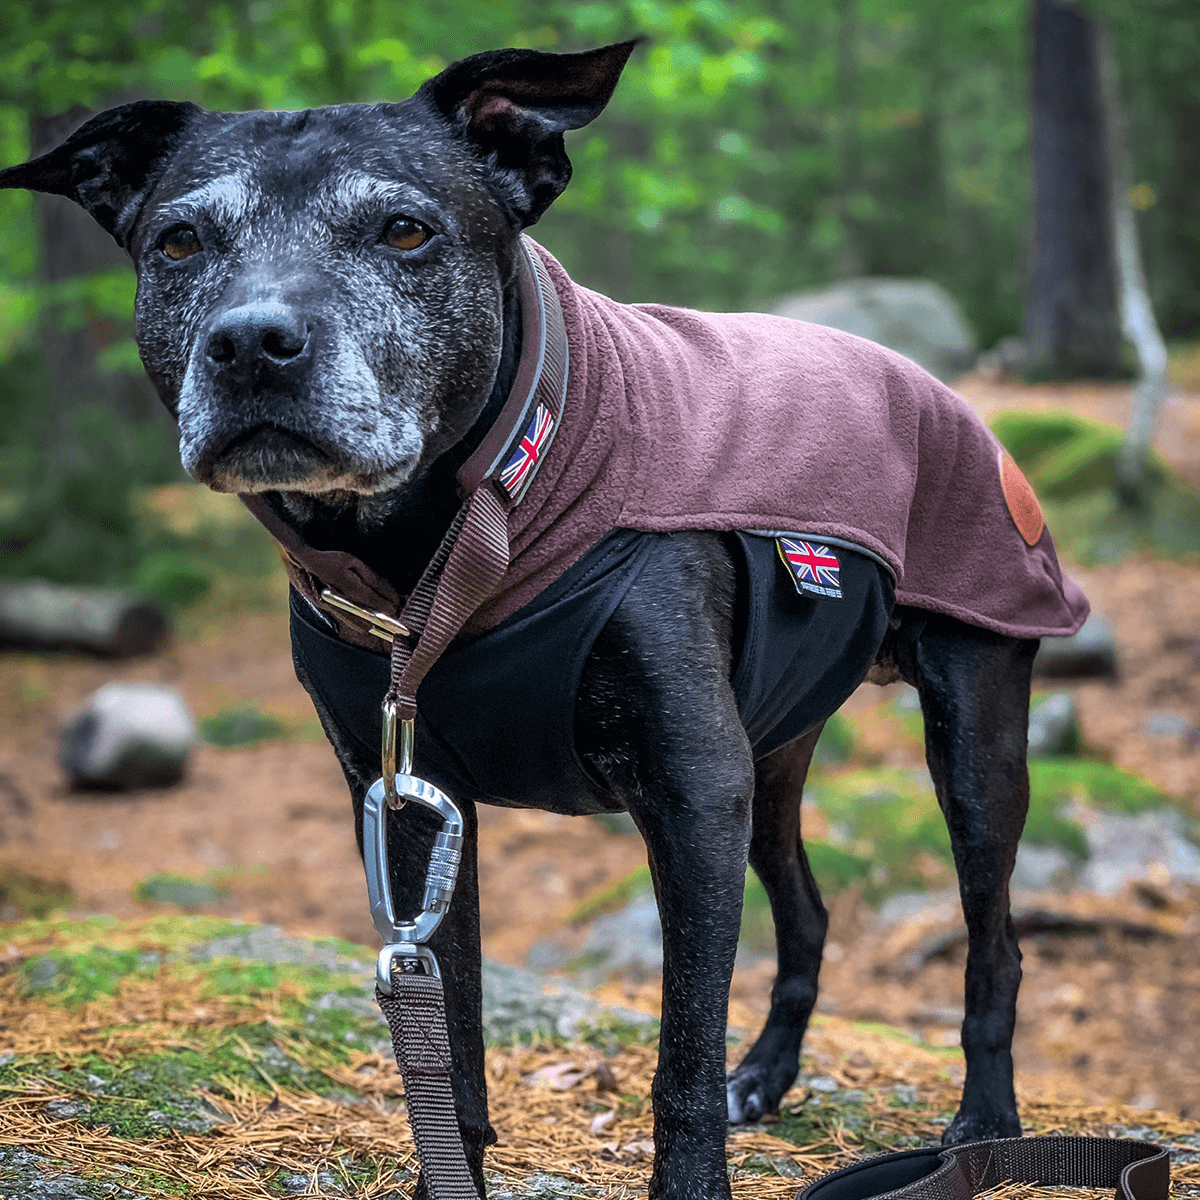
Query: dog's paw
x=751, y=1093
x=981, y=1127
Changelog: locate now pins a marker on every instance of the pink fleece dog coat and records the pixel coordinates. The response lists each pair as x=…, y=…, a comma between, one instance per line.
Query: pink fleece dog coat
x=676, y=419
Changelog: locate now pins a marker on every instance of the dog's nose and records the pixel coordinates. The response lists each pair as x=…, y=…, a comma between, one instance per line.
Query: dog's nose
x=267, y=334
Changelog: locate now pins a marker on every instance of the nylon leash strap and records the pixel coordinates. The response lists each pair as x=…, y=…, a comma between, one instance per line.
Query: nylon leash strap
x=1136, y=1170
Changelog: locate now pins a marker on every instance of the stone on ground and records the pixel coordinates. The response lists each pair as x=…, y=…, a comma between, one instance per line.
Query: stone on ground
x=128, y=735
x=916, y=317
x=1090, y=652
x=1053, y=726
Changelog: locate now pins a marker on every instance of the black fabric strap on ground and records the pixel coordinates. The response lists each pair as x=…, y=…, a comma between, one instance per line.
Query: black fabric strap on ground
x=416, y=1016
x=1136, y=1170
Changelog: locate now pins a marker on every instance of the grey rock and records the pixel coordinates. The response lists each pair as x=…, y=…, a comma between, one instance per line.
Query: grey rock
x=819, y=1083
x=941, y=905
x=1089, y=653
x=630, y=939
x=538, y=1187
x=128, y=735
x=916, y=317
x=66, y=1110
x=1007, y=357
x=27, y=1176
x=360, y=1006
x=1054, y=726
x=191, y=1116
x=40, y=615
x=1042, y=868
x=43, y=971
x=327, y=1185
x=174, y=889
x=618, y=822
x=1125, y=849
x=522, y=1004
x=267, y=943
x=1165, y=723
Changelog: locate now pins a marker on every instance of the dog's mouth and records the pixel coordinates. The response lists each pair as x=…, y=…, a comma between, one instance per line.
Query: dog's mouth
x=269, y=457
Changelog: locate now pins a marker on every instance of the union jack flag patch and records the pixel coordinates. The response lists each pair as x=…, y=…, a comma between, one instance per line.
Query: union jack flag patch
x=814, y=568
x=523, y=462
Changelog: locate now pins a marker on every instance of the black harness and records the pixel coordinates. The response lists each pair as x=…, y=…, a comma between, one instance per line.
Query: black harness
x=496, y=720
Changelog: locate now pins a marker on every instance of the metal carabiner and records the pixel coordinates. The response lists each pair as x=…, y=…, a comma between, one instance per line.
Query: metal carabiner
x=407, y=938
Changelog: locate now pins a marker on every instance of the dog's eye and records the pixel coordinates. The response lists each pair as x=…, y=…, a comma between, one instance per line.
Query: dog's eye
x=403, y=233
x=180, y=242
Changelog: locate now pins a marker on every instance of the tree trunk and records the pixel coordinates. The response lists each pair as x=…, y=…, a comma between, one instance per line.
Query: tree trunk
x=73, y=246
x=1072, y=326
x=1137, y=313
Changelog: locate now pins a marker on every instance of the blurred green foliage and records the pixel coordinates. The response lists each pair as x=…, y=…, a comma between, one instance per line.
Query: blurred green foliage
x=754, y=147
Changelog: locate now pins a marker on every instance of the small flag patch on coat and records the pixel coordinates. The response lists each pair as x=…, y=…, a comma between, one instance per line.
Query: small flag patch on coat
x=814, y=568
x=523, y=462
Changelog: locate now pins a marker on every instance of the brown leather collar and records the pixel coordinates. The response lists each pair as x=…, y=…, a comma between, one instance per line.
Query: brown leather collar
x=506, y=460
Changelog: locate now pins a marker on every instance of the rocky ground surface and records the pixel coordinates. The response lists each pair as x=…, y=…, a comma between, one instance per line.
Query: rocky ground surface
x=260, y=832
x=193, y=1056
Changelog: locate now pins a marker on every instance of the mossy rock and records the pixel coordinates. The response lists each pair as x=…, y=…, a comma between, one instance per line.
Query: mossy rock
x=887, y=833
x=1071, y=462
x=23, y=895
x=1028, y=435
x=243, y=725
x=1096, y=783
x=836, y=743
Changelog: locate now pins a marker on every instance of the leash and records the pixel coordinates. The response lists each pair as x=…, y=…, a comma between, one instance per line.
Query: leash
x=465, y=570
x=1137, y=1170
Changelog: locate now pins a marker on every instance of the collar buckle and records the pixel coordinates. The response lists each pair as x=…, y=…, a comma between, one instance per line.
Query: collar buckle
x=379, y=624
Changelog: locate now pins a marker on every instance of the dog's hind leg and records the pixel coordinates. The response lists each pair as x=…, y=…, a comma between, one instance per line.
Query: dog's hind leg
x=777, y=855
x=974, y=690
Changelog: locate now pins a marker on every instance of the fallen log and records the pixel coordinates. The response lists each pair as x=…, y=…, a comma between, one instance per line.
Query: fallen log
x=38, y=615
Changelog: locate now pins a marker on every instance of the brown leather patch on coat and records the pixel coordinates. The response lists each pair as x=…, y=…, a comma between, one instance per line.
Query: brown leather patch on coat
x=1023, y=505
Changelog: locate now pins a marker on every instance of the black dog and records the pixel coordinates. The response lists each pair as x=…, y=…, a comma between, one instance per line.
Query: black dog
x=327, y=302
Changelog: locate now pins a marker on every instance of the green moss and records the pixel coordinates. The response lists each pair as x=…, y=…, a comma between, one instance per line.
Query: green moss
x=613, y=897
x=1027, y=435
x=888, y=828
x=170, y=932
x=167, y=888
x=173, y=578
x=244, y=725
x=1099, y=784
x=1071, y=463
x=29, y=896
x=77, y=979
x=836, y=743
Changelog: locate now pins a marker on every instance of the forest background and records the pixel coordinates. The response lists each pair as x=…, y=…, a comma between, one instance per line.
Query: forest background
x=752, y=149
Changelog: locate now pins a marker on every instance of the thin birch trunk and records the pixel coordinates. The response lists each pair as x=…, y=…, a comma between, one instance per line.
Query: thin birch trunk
x=1137, y=314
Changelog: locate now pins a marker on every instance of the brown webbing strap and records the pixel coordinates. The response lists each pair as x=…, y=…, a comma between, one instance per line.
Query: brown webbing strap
x=1136, y=1170
x=467, y=569
x=416, y=1016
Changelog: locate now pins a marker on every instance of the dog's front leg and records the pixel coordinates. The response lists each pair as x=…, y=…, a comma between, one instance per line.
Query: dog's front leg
x=656, y=717
x=697, y=850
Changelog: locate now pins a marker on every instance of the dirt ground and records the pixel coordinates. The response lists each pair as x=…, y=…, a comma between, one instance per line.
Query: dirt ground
x=1104, y=1015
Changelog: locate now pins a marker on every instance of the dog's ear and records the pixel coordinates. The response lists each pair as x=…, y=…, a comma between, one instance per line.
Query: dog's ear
x=515, y=105
x=109, y=164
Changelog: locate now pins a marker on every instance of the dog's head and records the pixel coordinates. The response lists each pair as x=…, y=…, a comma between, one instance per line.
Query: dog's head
x=320, y=293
